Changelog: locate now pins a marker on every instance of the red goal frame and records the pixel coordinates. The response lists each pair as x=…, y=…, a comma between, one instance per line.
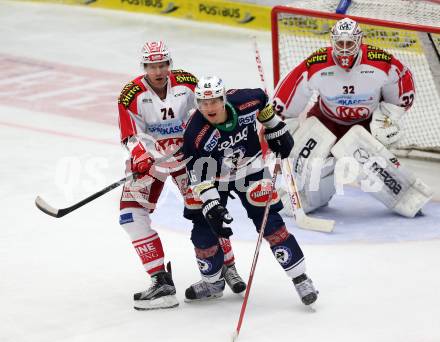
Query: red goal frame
x=362, y=20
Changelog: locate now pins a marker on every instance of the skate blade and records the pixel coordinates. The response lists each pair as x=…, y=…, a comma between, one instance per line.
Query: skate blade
x=166, y=302
x=214, y=296
x=311, y=308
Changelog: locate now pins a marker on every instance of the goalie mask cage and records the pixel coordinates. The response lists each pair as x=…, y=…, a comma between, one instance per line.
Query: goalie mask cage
x=297, y=33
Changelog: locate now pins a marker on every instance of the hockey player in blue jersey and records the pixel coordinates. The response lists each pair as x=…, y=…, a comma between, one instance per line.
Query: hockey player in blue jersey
x=223, y=154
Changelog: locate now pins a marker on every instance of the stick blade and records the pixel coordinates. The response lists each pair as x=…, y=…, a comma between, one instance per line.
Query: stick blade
x=46, y=208
x=234, y=336
x=312, y=223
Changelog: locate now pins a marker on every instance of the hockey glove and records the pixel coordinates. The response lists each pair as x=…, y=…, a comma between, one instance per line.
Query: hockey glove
x=279, y=139
x=141, y=160
x=215, y=214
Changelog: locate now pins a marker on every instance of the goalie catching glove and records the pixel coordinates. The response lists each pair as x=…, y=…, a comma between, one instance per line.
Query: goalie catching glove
x=385, y=123
x=215, y=214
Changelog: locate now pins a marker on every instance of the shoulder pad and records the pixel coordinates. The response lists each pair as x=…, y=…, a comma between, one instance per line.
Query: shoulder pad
x=182, y=76
x=128, y=93
x=319, y=56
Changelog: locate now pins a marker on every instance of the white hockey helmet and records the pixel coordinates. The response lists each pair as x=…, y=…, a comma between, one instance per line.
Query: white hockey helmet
x=210, y=87
x=155, y=52
x=346, y=39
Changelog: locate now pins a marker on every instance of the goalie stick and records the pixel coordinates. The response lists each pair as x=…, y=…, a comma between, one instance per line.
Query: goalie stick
x=301, y=218
x=55, y=212
x=276, y=170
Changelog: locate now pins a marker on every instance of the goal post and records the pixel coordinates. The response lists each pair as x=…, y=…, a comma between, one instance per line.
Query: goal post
x=298, y=32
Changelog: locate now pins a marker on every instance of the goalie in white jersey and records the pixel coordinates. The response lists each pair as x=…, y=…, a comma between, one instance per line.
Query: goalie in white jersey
x=153, y=110
x=363, y=94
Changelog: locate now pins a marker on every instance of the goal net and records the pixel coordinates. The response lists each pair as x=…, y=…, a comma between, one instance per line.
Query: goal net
x=296, y=33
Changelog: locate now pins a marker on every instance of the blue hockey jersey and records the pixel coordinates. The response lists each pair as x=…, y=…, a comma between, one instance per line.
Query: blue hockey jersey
x=227, y=151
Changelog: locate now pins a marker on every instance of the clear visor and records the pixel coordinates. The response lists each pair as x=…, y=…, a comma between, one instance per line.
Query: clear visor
x=210, y=103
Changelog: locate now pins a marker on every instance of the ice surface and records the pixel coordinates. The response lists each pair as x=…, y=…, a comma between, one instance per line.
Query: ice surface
x=72, y=279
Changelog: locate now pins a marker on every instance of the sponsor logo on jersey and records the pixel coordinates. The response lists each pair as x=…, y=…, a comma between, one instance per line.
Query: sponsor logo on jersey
x=367, y=71
x=258, y=193
x=168, y=146
x=328, y=73
x=249, y=104
x=283, y=255
x=147, y=100
x=212, y=141
x=246, y=119
x=319, y=56
x=167, y=128
x=182, y=76
x=233, y=158
x=350, y=100
x=375, y=54
x=233, y=140
x=179, y=94
x=128, y=94
x=352, y=113
x=387, y=179
x=201, y=134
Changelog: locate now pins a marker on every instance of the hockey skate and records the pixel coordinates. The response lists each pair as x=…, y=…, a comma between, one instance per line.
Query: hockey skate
x=233, y=279
x=203, y=290
x=160, y=295
x=305, y=289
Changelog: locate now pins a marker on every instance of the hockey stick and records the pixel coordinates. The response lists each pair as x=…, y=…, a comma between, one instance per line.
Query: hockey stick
x=301, y=218
x=276, y=170
x=55, y=212
x=49, y=210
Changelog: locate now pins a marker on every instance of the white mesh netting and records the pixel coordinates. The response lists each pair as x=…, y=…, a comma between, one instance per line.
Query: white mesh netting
x=300, y=35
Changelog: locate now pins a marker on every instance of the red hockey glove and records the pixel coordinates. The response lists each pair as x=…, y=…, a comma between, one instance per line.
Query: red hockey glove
x=141, y=160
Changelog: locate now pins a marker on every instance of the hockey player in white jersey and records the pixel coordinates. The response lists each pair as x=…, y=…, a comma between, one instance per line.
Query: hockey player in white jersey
x=363, y=94
x=153, y=110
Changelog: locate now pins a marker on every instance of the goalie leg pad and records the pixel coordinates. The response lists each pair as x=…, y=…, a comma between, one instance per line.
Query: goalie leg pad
x=312, y=168
x=137, y=223
x=381, y=174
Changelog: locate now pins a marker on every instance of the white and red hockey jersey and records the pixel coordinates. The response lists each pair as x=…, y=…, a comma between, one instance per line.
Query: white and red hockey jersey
x=345, y=97
x=159, y=123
